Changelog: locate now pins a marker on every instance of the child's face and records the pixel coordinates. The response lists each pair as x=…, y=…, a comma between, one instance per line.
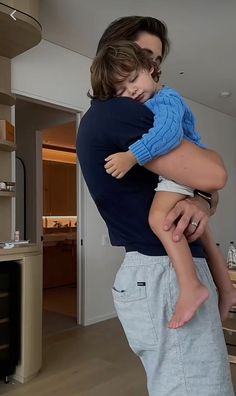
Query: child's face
x=139, y=85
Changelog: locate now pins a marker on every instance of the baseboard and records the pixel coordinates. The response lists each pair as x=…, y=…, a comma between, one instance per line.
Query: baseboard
x=100, y=318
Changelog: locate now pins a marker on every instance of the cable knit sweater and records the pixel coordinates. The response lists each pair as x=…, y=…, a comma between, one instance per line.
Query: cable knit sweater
x=173, y=122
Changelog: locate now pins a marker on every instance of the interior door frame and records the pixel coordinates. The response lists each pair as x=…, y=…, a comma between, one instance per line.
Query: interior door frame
x=80, y=202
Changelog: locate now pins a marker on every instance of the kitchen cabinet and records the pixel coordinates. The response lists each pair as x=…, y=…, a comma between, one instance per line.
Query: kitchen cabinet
x=17, y=35
x=6, y=212
x=7, y=150
x=59, y=264
x=30, y=259
x=59, y=189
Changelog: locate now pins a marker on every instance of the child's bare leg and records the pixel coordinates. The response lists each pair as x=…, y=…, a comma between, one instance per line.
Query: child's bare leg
x=192, y=293
x=219, y=271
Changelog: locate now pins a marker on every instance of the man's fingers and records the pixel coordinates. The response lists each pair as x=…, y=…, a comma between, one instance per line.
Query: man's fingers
x=180, y=228
x=172, y=216
x=120, y=175
x=111, y=169
x=115, y=173
x=199, y=230
x=108, y=165
x=109, y=157
x=182, y=215
x=193, y=225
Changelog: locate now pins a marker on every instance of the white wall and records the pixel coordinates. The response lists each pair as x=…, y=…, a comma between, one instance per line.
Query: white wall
x=218, y=131
x=54, y=74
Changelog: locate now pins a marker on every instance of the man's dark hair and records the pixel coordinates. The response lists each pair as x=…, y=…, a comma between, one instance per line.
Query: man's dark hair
x=130, y=27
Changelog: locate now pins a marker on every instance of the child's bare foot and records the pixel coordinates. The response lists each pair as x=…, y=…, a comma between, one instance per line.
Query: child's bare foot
x=226, y=301
x=187, y=305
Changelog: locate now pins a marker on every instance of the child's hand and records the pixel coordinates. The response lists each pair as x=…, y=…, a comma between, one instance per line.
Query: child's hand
x=117, y=165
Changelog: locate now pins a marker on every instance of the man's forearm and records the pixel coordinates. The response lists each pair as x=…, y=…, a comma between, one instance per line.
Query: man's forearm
x=190, y=165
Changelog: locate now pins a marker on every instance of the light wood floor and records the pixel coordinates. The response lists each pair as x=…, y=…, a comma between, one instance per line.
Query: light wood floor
x=59, y=310
x=61, y=300
x=91, y=361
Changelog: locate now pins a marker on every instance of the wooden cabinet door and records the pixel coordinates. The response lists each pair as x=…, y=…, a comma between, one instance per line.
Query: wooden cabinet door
x=46, y=189
x=71, y=190
x=58, y=186
x=59, y=189
x=59, y=264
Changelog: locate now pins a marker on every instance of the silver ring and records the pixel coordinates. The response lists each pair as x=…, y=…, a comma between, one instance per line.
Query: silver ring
x=194, y=223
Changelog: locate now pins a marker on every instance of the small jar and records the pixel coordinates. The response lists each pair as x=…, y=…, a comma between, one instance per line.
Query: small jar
x=17, y=236
x=2, y=185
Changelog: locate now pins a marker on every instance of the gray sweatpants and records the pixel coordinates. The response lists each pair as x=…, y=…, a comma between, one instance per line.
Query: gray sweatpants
x=190, y=361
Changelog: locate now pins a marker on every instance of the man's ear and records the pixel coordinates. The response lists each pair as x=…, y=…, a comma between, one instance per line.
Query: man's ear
x=155, y=72
x=151, y=70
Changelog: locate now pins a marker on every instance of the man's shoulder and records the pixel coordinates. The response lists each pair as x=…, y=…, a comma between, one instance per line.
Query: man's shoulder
x=117, y=104
x=122, y=111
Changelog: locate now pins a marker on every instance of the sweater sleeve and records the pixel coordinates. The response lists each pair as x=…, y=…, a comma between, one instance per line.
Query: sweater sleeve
x=167, y=131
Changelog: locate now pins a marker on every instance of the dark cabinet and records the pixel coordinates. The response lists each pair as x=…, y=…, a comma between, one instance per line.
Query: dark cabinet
x=10, y=314
x=59, y=189
x=59, y=264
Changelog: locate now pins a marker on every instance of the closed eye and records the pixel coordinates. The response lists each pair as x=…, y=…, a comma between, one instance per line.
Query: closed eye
x=134, y=78
x=120, y=92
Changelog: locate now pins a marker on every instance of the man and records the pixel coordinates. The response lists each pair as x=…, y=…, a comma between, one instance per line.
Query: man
x=146, y=290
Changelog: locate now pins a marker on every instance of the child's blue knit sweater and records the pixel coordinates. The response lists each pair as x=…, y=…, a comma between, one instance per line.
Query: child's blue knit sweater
x=173, y=122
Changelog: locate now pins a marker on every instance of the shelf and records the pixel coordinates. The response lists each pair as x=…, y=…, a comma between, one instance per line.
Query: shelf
x=232, y=359
x=229, y=325
x=6, y=98
x=7, y=146
x=7, y=194
x=17, y=36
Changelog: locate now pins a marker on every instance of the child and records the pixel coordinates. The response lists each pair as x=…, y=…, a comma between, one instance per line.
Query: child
x=124, y=69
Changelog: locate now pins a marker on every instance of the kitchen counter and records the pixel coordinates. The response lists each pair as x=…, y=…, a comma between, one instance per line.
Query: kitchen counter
x=28, y=249
x=52, y=238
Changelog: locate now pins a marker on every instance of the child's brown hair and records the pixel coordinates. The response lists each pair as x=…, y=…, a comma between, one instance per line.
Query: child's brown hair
x=114, y=63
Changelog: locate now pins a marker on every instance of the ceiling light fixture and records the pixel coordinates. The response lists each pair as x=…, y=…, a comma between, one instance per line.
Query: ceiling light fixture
x=225, y=94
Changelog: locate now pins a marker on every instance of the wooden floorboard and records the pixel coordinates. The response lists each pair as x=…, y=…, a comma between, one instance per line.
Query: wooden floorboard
x=91, y=361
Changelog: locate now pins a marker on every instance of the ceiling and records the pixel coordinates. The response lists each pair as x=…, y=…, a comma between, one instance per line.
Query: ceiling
x=58, y=126
x=202, y=33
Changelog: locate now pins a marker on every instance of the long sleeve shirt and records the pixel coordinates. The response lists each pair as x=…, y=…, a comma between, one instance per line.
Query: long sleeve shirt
x=173, y=122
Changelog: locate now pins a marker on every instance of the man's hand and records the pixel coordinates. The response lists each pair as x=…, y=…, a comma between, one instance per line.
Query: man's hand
x=190, y=210
x=117, y=165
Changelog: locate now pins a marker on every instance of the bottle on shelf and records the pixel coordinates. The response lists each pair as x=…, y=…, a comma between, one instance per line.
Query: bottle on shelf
x=231, y=257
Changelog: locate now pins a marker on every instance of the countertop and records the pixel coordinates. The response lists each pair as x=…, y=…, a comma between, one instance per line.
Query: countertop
x=52, y=238
x=20, y=250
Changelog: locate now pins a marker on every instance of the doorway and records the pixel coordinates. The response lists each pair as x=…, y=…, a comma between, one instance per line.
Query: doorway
x=46, y=137
x=59, y=227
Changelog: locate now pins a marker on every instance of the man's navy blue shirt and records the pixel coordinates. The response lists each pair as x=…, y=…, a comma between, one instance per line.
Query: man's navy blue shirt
x=108, y=127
